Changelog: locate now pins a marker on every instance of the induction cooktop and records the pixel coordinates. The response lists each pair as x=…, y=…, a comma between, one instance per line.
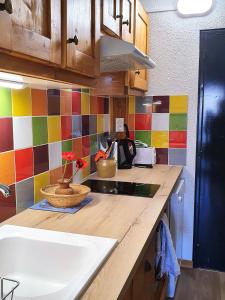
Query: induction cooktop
x=122, y=188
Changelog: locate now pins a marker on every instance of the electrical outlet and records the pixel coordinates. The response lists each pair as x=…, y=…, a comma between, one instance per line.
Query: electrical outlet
x=119, y=124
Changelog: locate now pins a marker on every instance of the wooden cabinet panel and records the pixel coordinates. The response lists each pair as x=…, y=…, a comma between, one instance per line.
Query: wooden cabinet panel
x=110, y=17
x=139, y=79
x=128, y=20
x=33, y=29
x=79, y=36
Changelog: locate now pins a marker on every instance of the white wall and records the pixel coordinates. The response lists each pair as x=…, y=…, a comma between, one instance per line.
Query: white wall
x=174, y=45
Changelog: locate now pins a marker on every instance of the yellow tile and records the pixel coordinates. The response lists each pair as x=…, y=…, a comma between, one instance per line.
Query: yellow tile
x=21, y=102
x=40, y=180
x=178, y=104
x=54, y=129
x=100, y=123
x=85, y=104
x=131, y=104
x=86, y=171
x=160, y=139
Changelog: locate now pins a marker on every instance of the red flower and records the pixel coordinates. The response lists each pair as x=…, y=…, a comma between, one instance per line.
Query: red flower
x=69, y=156
x=81, y=164
x=100, y=154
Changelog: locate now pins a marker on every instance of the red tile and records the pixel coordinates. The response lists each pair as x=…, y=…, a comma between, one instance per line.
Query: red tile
x=85, y=146
x=77, y=147
x=66, y=127
x=24, y=163
x=100, y=105
x=6, y=134
x=8, y=205
x=143, y=121
x=41, y=159
x=93, y=105
x=132, y=135
x=76, y=103
x=162, y=156
x=178, y=139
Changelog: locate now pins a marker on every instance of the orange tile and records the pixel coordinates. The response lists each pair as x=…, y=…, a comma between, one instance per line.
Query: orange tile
x=131, y=122
x=55, y=175
x=7, y=170
x=77, y=147
x=66, y=102
x=39, y=102
x=93, y=105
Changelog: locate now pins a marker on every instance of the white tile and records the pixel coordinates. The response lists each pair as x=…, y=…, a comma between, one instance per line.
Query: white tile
x=22, y=132
x=160, y=121
x=106, y=123
x=55, y=155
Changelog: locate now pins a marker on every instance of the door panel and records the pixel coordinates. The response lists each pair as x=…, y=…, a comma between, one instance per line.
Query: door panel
x=33, y=29
x=139, y=79
x=128, y=20
x=110, y=20
x=81, y=24
x=209, y=239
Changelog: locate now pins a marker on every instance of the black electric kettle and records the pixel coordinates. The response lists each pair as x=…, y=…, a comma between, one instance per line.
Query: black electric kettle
x=126, y=153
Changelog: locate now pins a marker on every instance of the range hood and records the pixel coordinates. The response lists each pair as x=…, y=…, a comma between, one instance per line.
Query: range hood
x=117, y=55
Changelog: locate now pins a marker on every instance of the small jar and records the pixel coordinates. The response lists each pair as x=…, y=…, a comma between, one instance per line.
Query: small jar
x=106, y=168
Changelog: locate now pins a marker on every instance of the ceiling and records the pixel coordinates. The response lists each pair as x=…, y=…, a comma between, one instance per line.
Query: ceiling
x=159, y=5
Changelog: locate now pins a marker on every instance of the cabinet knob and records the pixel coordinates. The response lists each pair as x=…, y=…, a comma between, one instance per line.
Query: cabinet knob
x=137, y=72
x=147, y=266
x=73, y=40
x=125, y=22
x=7, y=6
x=119, y=16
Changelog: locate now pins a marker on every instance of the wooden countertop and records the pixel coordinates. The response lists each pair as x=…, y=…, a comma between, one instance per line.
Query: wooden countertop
x=130, y=220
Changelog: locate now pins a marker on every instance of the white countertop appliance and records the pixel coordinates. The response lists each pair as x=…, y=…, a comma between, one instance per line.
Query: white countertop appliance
x=145, y=157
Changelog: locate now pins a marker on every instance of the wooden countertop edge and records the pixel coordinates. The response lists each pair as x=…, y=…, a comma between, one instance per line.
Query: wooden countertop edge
x=137, y=237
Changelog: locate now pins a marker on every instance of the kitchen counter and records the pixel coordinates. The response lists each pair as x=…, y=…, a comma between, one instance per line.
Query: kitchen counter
x=130, y=220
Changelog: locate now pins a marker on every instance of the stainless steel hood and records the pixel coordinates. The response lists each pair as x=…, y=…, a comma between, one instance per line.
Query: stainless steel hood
x=117, y=55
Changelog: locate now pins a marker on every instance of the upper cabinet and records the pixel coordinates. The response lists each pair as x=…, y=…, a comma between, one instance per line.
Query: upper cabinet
x=110, y=17
x=32, y=29
x=127, y=31
x=138, y=78
x=79, y=36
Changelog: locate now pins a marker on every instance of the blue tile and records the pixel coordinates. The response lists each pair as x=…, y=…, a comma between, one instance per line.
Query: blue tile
x=24, y=194
x=92, y=124
x=85, y=125
x=143, y=104
x=77, y=126
x=177, y=157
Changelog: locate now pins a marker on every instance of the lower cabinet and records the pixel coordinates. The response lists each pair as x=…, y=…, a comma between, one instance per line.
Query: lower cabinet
x=144, y=286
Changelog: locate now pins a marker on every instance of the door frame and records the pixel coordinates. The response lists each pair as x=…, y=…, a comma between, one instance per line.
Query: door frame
x=202, y=57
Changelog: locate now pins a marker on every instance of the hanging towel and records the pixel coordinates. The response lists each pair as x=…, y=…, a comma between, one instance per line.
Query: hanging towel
x=166, y=260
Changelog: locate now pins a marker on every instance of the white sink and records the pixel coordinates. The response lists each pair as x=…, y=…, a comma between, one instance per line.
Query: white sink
x=50, y=265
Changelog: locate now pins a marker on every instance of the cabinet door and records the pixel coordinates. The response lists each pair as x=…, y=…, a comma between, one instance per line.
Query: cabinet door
x=144, y=284
x=138, y=79
x=79, y=36
x=128, y=20
x=33, y=29
x=110, y=17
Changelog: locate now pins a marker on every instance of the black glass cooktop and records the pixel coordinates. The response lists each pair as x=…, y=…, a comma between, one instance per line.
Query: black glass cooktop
x=122, y=188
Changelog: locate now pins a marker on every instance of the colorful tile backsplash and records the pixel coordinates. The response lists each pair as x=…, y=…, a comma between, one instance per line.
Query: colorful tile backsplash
x=161, y=122
x=36, y=126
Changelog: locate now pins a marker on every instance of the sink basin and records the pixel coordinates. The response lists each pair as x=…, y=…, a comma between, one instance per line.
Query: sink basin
x=50, y=265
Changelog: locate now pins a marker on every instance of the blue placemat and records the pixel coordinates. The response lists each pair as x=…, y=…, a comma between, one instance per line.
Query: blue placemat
x=44, y=205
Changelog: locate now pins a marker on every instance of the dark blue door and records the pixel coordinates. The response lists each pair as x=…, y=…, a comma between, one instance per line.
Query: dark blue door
x=209, y=237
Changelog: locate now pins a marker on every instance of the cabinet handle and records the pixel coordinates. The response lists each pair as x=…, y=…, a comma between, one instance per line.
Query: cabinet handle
x=7, y=6
x=137, y=72
x=73, y=40
x=119, y=16
x=125, y=22
x=147, y=267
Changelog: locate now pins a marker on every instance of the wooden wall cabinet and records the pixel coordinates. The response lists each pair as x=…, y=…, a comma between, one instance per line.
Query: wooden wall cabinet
x=79, y=53
x=127, y=26
x=110, y=17
x=139, y=78
x=33, y=29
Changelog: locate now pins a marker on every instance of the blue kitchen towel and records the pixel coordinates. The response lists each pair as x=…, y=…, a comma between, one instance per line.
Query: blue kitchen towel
x=44, y=205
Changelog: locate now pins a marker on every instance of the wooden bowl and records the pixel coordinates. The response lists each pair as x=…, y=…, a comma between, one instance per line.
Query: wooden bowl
x=56, y=200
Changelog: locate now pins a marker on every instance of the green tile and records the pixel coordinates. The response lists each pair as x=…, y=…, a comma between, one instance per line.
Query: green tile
x=178, y=121
x=94, y=144
x=144, y=136
x=85, y=90
x=67, y=146
x=40, y=130
x=6, y=102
